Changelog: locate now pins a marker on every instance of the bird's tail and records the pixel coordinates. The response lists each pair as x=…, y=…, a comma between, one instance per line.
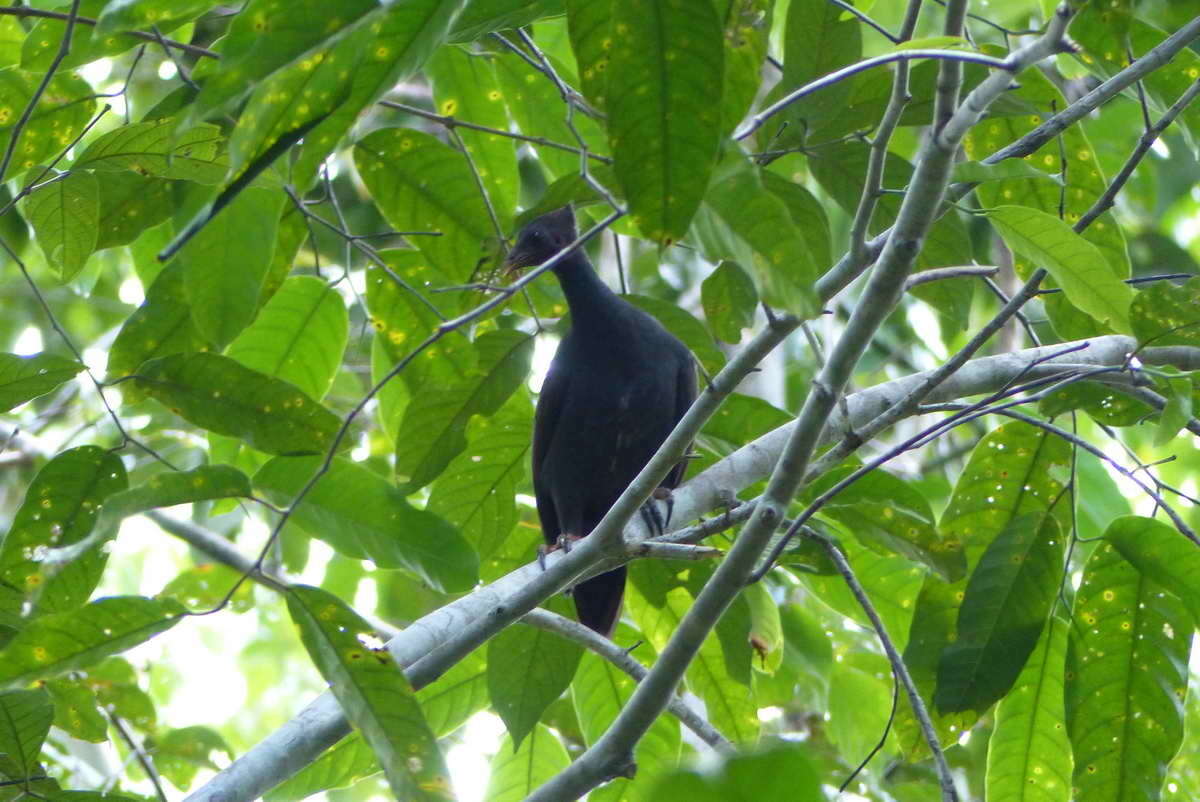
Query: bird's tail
x=598, y=601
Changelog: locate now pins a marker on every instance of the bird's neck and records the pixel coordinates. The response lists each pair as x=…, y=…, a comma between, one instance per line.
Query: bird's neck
x=592, y=303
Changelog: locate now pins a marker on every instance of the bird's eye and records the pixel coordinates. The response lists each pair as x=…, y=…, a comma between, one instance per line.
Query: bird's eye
x=535, y=235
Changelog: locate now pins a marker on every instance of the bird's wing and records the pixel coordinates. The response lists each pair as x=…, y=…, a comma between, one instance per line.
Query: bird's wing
x=550, y=404
x=685, y=394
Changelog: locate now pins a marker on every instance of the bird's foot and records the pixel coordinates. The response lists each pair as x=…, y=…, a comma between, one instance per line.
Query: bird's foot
x=564, y=542
x=653, y=517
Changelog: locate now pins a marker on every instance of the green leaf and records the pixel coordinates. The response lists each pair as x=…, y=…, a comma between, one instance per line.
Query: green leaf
x=25, y=718
x=364, y=516
x=1003, y=612
x=528, y=94
x=465, y=86
x=180, y=754
x=157, y=148
x=433, y=431
x=372, y=691
x=162, y=325
x=401, y=169
x=1164, y=314
x=61, y=113
x=141, y=15
x=743, y=222
x=204, y=587
x=226, y=262
x=343, y=764
x=76, y=711
x=1076, y=264
x=168, y=488
x=1029, y=754
x=1127, y=678
x=62, y=642
x=859, y=708
x=267, y=35
x=1017, y=469
x=26, y=377
x=218, y=394
x=598, y=693
x=889, y=516
x=1160, y=553
x=403, y=39
x=729, y=302
x=517, y=772
x=456, y=695
x=979, y=172
x=1108, y=406
x=484, y=16
x=665, y=133
x=60, y=509
x=66, y=219
x=299, y=336
x=477, y=491
x=527, y=669
x=747, y=26
x=766, y=629
x=690, y=331
x=782, y=772
x=1178, y=411
x=130, y=204
x=589, y=24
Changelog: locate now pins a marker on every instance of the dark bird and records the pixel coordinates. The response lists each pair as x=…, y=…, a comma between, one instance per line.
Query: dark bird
x=617, y=386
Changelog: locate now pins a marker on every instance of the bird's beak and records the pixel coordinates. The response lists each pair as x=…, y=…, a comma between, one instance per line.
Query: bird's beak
x=516, y=261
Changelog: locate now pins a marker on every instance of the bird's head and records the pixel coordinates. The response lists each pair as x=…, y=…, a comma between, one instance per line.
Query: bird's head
x=541, y=238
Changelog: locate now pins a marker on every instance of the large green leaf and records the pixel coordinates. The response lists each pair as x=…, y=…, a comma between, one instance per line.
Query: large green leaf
x=403, y=39
x=421, y=184
x=664, y=132
x=1126, y=680
x=1003, y=613
x=60, y=115
x=599, y=691
x=1164, y=314
x=747, y=25
x=729, y=301
x=66, y=219
x=433, y=430
x=743, y=222
x=456, y=695
x=889, y=516
x=226, y=262
x=589, y=25
x=690, y=331
x=465, y=86
x=140, y=15
x=56, y=644
x=25, y=718
x=1029, y=755
x=1017, y=469
x=218, y=394
x=1160, y=553
x=364, y=516
x=130, y=204
x=161, y=326
x=1076, y=264
x=267, y=35
x=477, y=491
x=782, y=772
x=156, y=148
x=484, y=16
x=60, y=509
x=299, y=336
x=372, y=691
x=343, y=764
x=517, y=772
x=168, y=488
x=26, y=377
x=527, y=669
x=76, y=710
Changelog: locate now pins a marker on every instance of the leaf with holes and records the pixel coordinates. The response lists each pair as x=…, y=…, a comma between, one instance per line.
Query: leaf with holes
x=157, y=148
x=1126, y=679
x=1164, y=314
x=372, y=691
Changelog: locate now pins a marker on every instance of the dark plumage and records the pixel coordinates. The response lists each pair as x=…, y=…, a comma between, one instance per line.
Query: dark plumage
x=617, y=386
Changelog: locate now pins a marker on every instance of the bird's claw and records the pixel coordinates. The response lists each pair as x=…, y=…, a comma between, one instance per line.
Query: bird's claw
x=652, y=516
x=563, y=542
